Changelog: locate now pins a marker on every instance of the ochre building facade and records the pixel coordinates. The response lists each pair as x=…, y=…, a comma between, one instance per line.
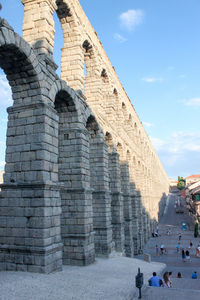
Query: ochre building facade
x=82, y=178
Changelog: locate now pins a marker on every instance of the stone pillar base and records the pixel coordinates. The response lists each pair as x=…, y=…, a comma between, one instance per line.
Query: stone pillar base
x=31, y=259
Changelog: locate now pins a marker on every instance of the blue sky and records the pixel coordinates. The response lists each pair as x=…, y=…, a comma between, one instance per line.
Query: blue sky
x=155, y=49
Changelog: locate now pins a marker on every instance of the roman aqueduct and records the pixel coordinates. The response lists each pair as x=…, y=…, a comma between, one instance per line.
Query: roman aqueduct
x=82, y=178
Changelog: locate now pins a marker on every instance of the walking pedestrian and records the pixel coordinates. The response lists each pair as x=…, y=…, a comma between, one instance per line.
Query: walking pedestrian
x=162, y=247
x=179, y=236
x=191, y=244
x=156, y=231
x=187, y=255
x=183, y=255
x=166, y=282
x=178, y=247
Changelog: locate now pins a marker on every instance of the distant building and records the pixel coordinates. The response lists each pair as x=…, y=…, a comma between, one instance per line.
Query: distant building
x=173, y=185
x=193, y=199
x=192, y=179
x=172, y=182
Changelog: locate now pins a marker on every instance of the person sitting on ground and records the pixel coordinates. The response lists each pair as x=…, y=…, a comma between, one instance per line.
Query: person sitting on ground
x=194, y=275
x=179, y=275
x=170, y=278
x=166, y=282
x=155, y=280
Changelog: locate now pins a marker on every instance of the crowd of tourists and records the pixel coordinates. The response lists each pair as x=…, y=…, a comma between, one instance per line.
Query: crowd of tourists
x=185, y=252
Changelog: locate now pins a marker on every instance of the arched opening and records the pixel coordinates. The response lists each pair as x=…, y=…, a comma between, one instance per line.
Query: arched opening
x=73, y=177
x=22, y=77
x=128, y=156
x=58, y=39
x=105, y=88
x=99, y=182
x=116, y=100
x=120, y=150
x=92, y=126
x=115, y=92
x=5, y=101
x=72, y=57
x=109, y=140
x=64, y=104
x=87, y=68
x=27, y=168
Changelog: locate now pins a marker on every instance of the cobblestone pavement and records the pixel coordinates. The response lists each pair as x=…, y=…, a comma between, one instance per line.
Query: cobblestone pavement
x=173, y=221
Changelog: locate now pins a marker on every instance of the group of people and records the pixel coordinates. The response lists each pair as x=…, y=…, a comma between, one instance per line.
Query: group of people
x=158, y=281
x=166, y=281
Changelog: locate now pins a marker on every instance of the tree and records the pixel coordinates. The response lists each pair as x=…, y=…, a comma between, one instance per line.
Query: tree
x=181, y=183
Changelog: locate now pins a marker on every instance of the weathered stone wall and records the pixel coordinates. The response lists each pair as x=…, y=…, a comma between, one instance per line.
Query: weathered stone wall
x=81, y=177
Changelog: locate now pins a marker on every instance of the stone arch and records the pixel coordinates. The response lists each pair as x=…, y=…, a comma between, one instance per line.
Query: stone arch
x=29, y=138
x=23, y=72
x=20, y=65
x=73, y=176
x=40, y=34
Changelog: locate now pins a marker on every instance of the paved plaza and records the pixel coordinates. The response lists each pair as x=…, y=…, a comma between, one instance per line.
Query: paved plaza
x=172, y=221
x=107, y=279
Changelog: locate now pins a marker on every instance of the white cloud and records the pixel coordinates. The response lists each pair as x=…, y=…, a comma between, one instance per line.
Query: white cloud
x=119, y=38
x=179, y=153
x=5, y=92
x=147, y=124
x=192, y=102
x=152, y=79
x=131, y=19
